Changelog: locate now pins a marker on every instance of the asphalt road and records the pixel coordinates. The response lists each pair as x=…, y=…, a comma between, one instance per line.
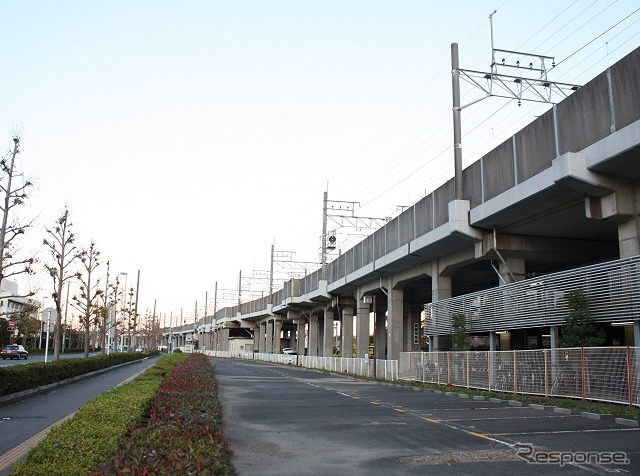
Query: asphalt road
x=22, y=421
x=286, y=420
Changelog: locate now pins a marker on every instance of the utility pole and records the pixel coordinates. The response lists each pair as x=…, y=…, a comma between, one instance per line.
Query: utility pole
x=323, y=260
x=529, y=84
x=271, y=271
x=153, y=325
x=215, y=302
x=206, y=302
x=457, y=146
x=204, y=319
x=107, y=315
x=343, y=213
x=135, y=312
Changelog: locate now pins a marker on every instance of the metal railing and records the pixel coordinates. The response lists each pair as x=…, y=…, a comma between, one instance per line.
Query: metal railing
x=608, y=374
x=382, y=369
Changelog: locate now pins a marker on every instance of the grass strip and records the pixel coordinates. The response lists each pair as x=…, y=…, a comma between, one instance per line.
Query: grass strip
x=84, y=442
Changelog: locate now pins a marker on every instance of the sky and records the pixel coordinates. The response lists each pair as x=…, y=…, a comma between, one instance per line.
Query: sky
x=188, y=138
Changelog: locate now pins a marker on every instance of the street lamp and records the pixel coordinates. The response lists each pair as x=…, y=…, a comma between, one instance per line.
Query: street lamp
x=122, y=303
x=129, y=311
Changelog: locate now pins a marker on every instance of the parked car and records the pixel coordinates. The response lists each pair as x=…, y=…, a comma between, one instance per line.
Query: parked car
x=14, y=351
x=288, y=350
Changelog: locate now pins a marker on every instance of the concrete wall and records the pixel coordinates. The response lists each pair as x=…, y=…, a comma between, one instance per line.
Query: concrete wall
x=535, y=147
x=392, y=234
x=423, y=211
x=625, y=78
x=606, y=104
x=498, y=171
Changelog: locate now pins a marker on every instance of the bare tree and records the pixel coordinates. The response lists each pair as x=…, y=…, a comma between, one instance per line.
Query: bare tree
x=108, y=318
x=152, y=332
x=88, y=301
x=129, y=310
x=12, y=196
x=61, y=244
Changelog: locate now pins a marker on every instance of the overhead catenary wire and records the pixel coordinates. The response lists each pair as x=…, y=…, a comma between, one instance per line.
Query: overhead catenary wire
x=596, y=38
x=425, y=149
x=401, y=181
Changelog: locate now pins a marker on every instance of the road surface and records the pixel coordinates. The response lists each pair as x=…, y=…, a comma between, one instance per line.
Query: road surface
x=287, y=420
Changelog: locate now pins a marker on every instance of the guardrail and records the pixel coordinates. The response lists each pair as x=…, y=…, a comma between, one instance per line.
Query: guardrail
x=608, y=374
x=382, y=369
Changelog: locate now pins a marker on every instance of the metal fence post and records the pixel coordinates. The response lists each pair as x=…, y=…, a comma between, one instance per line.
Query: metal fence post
x=515, y=373
x=629, y=386
x=489, y=371
x=467, y=369
x=546, y=374
x=583, y=372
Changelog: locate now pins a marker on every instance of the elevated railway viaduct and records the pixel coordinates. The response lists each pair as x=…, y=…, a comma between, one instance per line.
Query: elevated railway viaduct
x=561, y=194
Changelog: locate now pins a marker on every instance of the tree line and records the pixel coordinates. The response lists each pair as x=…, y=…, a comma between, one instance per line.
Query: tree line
x=96, y=301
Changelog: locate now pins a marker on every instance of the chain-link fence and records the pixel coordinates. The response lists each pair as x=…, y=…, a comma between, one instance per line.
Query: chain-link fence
x=609, y=374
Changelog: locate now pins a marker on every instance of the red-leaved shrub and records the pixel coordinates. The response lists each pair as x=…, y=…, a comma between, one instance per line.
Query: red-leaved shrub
x=182, y=433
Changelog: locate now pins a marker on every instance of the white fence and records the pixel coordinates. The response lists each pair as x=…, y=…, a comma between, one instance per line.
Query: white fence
x=609, y=374
x=382, y=369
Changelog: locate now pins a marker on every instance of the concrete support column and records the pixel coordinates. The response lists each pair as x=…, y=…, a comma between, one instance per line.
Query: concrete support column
x=555, y=337
x=269, y=335
x=636, y=333
x=629, y=237
x=362, y=330
x=413, y=329
x=277, y=331
x=440, y=289
x=302, y=322
x=313, y=335
x=380, y=329
x=395, y=324
x=295, y=333
x=515, y=266
x=262, y=342
x=327, y=340
x=320, y=316
x=225, y=336
x=346, y=326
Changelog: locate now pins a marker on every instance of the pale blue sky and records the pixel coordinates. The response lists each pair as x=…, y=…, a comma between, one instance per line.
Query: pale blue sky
x=187, y=137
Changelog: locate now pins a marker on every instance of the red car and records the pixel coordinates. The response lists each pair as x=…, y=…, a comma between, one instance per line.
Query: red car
x=14, y=352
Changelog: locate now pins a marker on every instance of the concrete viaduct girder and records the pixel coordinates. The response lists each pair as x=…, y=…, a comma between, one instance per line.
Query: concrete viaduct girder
x=564, y=191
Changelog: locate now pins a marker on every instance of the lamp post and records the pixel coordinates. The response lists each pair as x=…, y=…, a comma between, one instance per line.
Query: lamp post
x=46, y=349
x=129, y=318
x=122, y=304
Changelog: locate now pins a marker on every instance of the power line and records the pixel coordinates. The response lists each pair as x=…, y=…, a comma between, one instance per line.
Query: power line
x=599, y=36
